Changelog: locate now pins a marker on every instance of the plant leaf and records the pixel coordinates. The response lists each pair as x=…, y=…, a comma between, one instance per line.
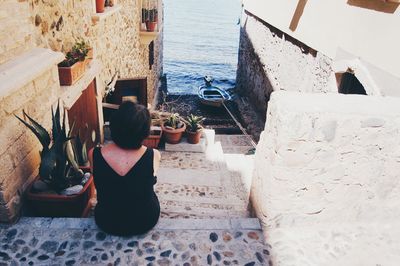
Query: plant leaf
x=43, y=138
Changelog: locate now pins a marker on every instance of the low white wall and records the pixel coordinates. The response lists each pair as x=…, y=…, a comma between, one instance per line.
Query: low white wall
x=327, y=169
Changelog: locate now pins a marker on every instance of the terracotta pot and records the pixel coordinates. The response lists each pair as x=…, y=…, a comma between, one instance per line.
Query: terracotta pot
x=153, y=140
x=54, y=205
x=100, y=4
x=193, y=137
x=173, y=136
x=69, y=75
x=151, y=26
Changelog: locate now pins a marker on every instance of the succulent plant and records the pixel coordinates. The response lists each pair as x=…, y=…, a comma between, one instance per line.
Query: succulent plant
x=174, y=121
x=194, y=123
x=79, y=52
x=58, y=167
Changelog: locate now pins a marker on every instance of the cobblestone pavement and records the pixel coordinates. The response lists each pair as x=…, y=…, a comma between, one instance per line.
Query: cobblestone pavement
x=204, y=221
x=79, y=242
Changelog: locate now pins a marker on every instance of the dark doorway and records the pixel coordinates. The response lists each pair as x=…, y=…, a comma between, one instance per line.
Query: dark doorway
x=349, y=84
x=125, y=90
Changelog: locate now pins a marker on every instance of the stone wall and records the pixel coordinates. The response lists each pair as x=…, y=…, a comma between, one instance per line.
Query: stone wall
x=58, y=24
x=19, y=148
x=115, y=38
x=270, y=60
x=15, y=29
x=326, y=170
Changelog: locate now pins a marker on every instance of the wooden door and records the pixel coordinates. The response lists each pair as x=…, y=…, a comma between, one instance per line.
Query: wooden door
x=85, y=114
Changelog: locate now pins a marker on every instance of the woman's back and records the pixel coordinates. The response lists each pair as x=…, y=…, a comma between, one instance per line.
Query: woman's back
x=126, y=204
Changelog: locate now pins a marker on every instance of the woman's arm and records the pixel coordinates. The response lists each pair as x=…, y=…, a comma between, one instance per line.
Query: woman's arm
x=156, y=163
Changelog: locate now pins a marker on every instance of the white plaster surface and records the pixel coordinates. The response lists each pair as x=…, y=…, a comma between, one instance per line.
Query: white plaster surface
x=326, y=183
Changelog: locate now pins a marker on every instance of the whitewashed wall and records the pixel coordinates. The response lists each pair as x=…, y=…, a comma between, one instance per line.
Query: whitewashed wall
x=327, y=179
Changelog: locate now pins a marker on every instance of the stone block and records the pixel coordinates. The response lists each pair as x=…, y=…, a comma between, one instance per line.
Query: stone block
x=332, y=176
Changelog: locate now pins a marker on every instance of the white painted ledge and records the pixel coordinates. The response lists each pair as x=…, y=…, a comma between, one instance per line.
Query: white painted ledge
x=107, y=12
x=25, y=68
x=70, y=94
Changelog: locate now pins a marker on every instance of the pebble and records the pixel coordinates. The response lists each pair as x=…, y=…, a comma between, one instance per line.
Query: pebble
x=209, y=259
x=259, y=257
x=217, y=255
x=11, y=234
x=4, y=256
x=49, y=246
x=43, y=257
x=151, y=258
x=85, y=178
x=166, y=253
x=253, y=235
x=59, y=253
x=72, y=190
x=133, y=244
x=104, y=256
x=88, y=244
x=213, y=237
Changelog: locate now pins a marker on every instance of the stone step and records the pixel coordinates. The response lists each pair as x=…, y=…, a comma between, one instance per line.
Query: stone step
x=202, y=210
x=63, y=241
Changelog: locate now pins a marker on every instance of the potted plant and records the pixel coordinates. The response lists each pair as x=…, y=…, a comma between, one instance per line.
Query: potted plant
x=194, y=128
x=154, y=138
x=74, y=65
x=173, y=128
x=100, y=5
x=151, y=19
x=61, y=189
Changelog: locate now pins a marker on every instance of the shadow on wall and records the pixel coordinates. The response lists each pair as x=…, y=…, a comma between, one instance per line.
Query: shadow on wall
x=377, y=5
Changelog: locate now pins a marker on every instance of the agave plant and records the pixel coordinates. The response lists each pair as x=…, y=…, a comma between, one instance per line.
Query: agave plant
x=58, y=166
x=194, y=123
x=174, y=121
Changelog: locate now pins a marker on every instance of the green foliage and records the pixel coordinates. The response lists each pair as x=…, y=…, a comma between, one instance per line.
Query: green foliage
x=149, y=15
x=174, y=121
x=78, y=52
x=58, y=167
x=194, y=123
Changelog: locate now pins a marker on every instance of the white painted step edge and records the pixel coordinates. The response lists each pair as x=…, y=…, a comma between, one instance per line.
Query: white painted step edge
x=163, y=223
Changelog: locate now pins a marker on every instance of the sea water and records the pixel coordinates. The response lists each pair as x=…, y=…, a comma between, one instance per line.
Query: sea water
x=200, y=38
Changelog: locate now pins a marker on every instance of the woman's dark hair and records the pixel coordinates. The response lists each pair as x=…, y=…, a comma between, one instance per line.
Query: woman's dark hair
x=130, y=125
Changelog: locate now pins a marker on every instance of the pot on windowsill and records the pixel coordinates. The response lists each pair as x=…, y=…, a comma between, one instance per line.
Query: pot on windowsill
x=151, y=26
x=193, y=137
x=51, y=204
x=70, y=74
x=172, y=135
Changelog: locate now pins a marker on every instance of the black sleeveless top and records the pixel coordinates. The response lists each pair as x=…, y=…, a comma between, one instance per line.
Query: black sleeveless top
x=126, y=205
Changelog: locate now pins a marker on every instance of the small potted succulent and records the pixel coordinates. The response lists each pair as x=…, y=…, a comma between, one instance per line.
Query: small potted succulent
x=194, y=128
x=74, y=65
x=173, y=128
x=150, y=18
x=62, y=188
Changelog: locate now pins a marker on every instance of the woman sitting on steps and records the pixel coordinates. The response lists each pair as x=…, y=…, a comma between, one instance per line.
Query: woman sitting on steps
x=124, y=175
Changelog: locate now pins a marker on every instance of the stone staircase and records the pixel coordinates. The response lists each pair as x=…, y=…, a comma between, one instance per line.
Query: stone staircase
x=205, y=220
